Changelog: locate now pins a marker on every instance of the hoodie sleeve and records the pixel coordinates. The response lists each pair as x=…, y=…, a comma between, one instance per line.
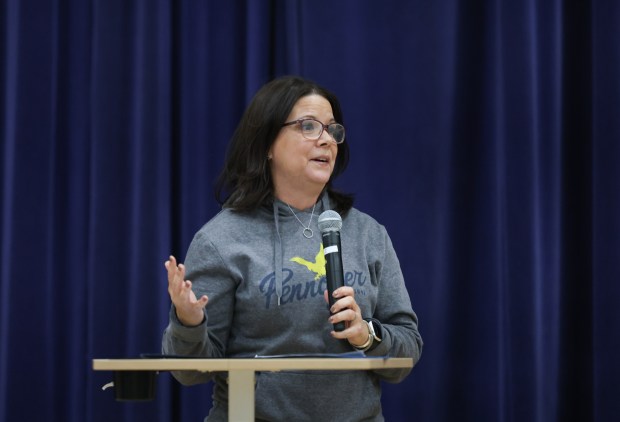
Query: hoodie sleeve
x=399, y=323
x=209, y=275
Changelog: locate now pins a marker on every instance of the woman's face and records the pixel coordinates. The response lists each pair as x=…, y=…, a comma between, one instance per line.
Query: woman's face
x=300, y=164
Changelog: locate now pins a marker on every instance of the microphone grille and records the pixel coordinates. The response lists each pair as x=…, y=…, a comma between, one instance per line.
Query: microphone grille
x=330, y=221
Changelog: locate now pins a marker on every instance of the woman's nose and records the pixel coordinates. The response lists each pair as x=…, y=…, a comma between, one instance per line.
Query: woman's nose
x=325, y=138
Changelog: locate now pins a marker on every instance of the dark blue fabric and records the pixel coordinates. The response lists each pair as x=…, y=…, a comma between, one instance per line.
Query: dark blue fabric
x=483, y=134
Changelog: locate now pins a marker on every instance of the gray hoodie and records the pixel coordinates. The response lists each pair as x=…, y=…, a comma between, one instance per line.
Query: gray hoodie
x=234, y=259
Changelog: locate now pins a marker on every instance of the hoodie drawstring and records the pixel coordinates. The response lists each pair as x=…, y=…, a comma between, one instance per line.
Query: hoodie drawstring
x=277, y=253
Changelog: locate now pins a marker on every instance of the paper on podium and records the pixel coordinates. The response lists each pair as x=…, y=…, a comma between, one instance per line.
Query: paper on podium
x=347, y=355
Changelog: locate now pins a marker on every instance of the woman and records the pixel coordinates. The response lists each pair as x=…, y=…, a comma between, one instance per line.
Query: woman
x=254, y=276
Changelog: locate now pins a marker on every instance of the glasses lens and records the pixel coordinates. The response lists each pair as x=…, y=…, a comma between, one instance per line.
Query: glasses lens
x=336, y=131
x=311, y=129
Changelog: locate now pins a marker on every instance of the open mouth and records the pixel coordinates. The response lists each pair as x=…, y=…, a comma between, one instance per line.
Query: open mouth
x=321, y=160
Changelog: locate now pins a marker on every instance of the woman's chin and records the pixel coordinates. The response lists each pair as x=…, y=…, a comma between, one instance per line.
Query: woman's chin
x=320, y=176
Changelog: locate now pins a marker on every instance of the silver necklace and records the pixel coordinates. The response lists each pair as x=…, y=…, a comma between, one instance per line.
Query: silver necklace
x=308, y=233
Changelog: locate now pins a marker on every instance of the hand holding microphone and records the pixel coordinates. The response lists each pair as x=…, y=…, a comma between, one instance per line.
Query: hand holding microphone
x=330, y=224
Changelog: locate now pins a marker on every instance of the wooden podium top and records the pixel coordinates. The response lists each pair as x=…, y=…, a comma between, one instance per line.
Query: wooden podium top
x=253, y=364
x=241, y=374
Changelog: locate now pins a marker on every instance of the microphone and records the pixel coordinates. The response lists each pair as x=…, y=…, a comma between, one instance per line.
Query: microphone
x=330, y=224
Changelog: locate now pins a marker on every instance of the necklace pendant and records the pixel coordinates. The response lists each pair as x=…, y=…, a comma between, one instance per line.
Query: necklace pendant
x=308, y=233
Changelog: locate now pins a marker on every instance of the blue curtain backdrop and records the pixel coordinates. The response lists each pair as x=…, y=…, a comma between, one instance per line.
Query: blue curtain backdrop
x=484, y=134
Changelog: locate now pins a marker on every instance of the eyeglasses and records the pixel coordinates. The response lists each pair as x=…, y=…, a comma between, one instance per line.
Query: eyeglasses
x=312, y=129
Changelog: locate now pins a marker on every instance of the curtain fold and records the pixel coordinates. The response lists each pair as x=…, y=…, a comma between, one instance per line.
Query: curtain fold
x=484, y=136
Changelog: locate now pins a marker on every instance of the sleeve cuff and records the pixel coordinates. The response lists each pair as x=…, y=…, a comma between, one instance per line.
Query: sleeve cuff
x=192, y=334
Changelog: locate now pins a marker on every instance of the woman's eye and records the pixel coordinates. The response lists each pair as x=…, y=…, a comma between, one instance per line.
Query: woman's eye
x=307, y=126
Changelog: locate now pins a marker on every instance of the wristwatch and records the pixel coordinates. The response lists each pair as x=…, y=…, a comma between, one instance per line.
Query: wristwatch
x=374, y=328
x=374, y=335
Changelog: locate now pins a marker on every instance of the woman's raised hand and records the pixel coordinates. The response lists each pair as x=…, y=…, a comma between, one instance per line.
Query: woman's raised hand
x=190, y=310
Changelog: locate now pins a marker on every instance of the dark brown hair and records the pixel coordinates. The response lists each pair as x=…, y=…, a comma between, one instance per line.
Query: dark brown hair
x=245, y=182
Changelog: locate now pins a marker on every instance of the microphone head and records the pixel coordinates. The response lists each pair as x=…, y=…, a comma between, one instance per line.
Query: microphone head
x=330, y=221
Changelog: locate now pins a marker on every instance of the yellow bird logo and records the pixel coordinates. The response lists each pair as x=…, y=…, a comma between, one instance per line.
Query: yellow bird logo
x=317, y=267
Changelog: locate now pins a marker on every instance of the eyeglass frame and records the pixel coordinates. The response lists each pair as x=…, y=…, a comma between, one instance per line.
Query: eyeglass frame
x=323, y=127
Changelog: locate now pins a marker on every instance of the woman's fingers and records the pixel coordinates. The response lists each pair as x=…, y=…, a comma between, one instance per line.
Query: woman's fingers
x=189, y=309
x=345, y=298
x=180, y=290
x=347, y=310
x=174, y=271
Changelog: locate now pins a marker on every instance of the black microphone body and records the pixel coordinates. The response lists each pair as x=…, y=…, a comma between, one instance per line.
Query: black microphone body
x=334, y=272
